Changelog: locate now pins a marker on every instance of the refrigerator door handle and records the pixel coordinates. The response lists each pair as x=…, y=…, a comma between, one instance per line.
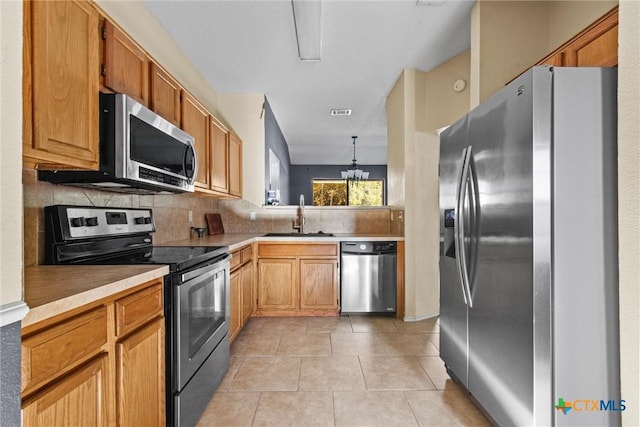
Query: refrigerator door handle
x=458, y=226
x=468, y=261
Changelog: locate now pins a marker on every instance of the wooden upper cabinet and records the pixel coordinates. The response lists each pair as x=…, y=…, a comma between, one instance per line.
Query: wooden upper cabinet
x=595, y=46
x=126, y=65
x=219, y=156
x=165, y=94
x=195, y=121
x=60, y=84
x=600, y=47
x=235, y=165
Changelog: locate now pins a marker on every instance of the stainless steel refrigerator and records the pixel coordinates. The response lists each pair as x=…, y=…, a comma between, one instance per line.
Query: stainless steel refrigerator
x=528, y=262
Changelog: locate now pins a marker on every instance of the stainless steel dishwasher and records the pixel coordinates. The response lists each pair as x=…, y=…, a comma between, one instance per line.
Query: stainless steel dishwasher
x=368, y=277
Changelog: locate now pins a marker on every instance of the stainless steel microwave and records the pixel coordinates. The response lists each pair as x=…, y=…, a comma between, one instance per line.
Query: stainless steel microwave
x=140, y=152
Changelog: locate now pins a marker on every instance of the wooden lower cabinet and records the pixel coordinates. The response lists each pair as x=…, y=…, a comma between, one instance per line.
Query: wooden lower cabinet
x=318, y=284
x=79, y=399
x=235, y=299
x=241, y=286
x=297, y=279
x=98, y=365
x=248, y=299
x=277, y=284
x=140, y=392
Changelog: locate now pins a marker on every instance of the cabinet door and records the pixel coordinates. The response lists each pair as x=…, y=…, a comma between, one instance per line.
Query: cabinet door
x=277, y=284
x=600, y=49
x=235, y=165
x=165, y=94
x=140, y=387
x=318, y=284
x=61, y=70
x=596, y=46
x=126, y=65
x=247, y=292
x=195, y=121
x=78, y=399
x=235, y=299
x=219, y=157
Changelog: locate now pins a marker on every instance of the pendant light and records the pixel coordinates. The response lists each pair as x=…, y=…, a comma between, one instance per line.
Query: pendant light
x=354, y=172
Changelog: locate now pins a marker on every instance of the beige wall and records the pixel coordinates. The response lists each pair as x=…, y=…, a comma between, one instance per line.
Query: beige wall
x=568, y=18
x=445, y=105
x=417, y=106
x=498, y=58
x=629, y=205
x=243, y=112
x=395, y=144
x=10, y=152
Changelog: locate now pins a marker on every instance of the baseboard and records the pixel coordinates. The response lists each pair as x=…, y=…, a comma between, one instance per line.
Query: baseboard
x=419, y=318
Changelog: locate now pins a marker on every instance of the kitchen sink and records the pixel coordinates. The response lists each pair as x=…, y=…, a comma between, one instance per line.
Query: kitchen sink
x=296, y=234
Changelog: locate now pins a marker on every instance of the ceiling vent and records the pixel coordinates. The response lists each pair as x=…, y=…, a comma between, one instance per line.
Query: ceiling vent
x=429, y=3
x=340, y=112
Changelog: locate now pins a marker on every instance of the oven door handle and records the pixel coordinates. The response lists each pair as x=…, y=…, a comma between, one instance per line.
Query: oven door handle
x=211, y=269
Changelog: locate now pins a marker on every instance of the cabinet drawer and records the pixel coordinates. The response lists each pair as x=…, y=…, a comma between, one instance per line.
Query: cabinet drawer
x=236, y=259
x=48, y=353
x=246, y=254
x=137, y=309
x=296, y=249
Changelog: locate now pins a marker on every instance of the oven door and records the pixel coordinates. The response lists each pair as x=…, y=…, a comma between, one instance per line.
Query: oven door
x=202, y=317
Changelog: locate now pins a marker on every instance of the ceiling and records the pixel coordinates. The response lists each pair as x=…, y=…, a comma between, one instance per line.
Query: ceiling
x=250, y=46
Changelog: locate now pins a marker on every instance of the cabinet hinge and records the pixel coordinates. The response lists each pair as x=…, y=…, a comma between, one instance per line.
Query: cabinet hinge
x=103, y=69
x=103, y=32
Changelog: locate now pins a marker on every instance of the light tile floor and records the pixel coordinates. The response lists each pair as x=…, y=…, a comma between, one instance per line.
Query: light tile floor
x=338, y=371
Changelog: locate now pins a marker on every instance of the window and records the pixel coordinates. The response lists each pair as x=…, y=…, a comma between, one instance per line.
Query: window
x=340, y=192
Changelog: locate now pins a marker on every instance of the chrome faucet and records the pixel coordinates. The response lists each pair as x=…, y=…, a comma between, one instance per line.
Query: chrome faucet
x=300, y=220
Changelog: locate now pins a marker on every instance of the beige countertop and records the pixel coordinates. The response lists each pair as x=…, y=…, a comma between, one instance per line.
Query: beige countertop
x=54, y=289
x=237, y=240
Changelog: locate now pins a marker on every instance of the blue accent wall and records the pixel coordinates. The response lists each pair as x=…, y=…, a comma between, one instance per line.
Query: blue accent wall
x=300, y=177
x=274, y=140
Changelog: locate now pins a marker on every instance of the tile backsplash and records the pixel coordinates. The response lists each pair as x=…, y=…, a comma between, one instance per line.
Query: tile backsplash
x=171, y=214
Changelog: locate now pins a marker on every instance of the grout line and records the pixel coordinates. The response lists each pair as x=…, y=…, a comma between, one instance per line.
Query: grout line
x=255, y=411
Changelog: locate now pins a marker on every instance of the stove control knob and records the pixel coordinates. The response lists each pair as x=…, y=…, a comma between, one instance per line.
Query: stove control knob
x=138, y=220
x=147, y=220
x=77, y=222
x=92, y=222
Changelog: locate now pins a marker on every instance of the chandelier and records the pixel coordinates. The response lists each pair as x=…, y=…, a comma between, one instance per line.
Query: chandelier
x=354, y=172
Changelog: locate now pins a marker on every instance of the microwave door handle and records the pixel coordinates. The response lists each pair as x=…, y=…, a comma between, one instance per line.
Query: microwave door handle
x=191, y=150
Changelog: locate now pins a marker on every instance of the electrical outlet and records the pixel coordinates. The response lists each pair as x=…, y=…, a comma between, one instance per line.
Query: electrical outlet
x=190, y=216
x=252, y=216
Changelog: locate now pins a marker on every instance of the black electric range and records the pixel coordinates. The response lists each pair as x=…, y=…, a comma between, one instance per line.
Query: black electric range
x=196, y=293
x=92, y=235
